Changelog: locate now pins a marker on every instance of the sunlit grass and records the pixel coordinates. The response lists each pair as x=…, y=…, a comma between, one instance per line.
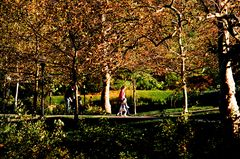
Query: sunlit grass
x=55, y=100
x=157, y=96
x=178, y=111
x=190, y=109
x=154, y=95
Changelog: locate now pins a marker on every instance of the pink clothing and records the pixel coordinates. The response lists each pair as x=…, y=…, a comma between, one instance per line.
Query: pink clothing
x=124, y=107
x=122, y=95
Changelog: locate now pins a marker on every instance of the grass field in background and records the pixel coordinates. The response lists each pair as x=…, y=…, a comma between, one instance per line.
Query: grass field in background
x=155, y=95
x=198, y=110
x=55, y=100
x=152, y=95
x=146, y=98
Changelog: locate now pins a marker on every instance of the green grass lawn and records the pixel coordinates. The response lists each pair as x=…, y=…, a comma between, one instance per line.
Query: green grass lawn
x=144, y=97
x=194, y=110
x=56, y=100
x=153, y=95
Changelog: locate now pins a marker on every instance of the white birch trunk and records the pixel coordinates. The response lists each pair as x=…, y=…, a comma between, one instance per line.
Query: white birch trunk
x=183, y=58
x=107, y=104
x=16, y=97
x=107, y=78
x=229, y=107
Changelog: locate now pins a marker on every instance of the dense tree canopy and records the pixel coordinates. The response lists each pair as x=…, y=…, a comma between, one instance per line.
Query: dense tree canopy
x=185, y=45
x=81, y=41
x=134, y=29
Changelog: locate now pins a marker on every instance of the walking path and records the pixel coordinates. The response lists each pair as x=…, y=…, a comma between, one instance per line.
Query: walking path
x=15, y=117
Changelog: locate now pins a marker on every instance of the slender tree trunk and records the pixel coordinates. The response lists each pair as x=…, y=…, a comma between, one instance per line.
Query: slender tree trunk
x=106, y=80
x=183, y=58
x=74, y=71
x=42, y=89
x=182, y=54
x=184, y=83
x=106, y=93
x=4, y=95
x=35, y=98
x=16, y=93
x=16, y=97
x=134, y=96
x=76, y=103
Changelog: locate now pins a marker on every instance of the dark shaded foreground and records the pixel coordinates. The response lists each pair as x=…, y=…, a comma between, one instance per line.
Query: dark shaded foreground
x=148, y=138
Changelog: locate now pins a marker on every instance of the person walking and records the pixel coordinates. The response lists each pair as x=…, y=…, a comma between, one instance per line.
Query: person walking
x=68, y=100
x=123, y=100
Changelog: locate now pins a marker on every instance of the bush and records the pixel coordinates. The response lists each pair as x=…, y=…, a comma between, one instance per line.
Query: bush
x=31, y=139
x=105, y=138
x=93, y=110
x=118, y=83
x=148, y=82
x=168, y=139
x=172, y=80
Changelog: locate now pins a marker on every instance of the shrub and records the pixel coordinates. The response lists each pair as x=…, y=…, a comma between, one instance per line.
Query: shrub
x=172, y=80
x=103, y=138
x=94, y=110
x=147, y=82
x=31, y=139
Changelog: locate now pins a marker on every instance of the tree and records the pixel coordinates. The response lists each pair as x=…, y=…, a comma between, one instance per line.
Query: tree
x=116, y=25
x=172, y=34
x=182, y=52
x=225, y=14
x=41, y=32
x=19, y=22
x=70, y=38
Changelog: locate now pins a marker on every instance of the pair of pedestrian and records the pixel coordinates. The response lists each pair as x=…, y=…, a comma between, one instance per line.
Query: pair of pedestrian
x=123, y=110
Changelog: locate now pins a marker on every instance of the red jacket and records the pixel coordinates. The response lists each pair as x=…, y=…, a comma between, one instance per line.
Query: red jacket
x=121, y=95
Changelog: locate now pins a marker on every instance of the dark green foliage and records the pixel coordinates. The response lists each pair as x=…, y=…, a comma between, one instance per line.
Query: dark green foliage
x=195, y=98
x=146, y=81
x=172, y=80
x=111, y=138
x=24, y=98
x=56, y=110
x=118, y=83
x=31, y=139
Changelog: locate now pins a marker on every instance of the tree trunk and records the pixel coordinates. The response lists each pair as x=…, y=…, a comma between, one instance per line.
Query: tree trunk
x=184, y=84
x=16, y=97
x=42, y=90
x=134, y=96
x=74, y=78
x=76, y=103
x=74, y=73
x=35, y=98
x=228, y=105
x=16, y=93
x=183, y=58
x=106, y=80
x=106, y=93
